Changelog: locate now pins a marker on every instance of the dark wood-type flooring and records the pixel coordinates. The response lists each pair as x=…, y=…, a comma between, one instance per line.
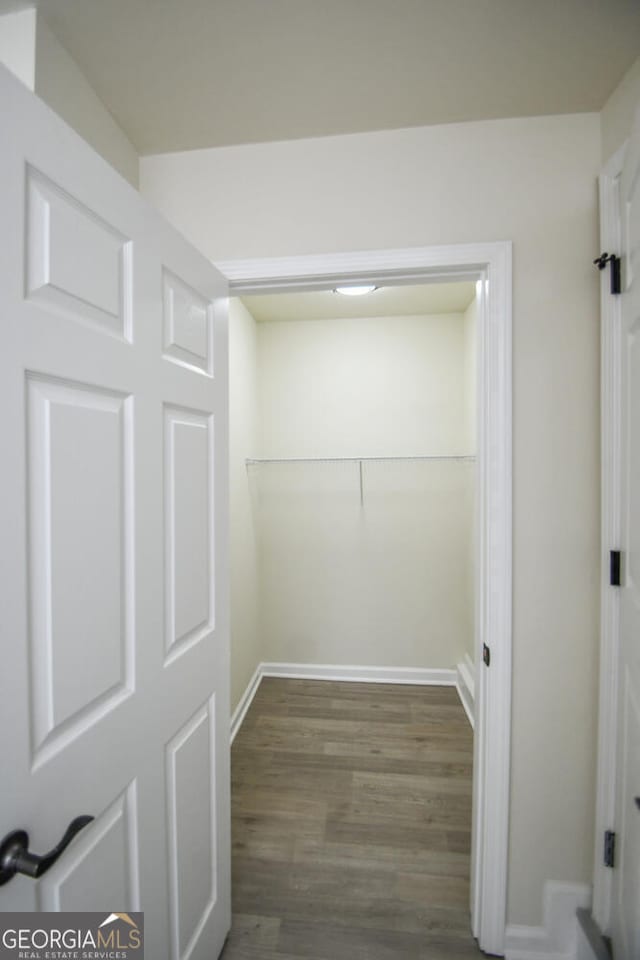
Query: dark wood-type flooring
x=351, y=811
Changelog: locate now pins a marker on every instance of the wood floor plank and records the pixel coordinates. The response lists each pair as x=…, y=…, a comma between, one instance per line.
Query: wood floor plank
x=351, y=824
x=310, y=755
x=414, y=860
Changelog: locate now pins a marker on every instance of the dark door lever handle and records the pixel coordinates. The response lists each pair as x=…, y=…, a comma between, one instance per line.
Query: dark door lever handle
x=15, y=856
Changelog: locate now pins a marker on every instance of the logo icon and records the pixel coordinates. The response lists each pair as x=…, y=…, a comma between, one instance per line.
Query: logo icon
x=119, y=916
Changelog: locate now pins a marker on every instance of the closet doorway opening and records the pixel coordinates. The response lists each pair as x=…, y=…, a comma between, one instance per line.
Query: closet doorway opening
x=377, y=444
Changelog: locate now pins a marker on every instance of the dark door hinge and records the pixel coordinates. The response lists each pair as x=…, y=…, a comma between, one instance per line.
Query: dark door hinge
x=602, y=261
x=614, y=568
x=609, y=848
x=486, y=655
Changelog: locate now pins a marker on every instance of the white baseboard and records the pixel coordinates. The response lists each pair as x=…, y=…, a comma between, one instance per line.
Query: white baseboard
x=321, y=671
x=355, y=674
x=245, y=701
x=557, y=938
x=465, y=685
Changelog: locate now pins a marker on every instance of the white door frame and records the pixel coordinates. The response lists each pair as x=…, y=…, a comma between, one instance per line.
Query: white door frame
x=490, y=265
x=610, y=418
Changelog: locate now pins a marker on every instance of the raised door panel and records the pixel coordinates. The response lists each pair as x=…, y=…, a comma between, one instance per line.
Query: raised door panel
x=76, y=263
x=80, y=562
x=191, y=765
x=188, y=528
x=187, y=325
x=100, y=870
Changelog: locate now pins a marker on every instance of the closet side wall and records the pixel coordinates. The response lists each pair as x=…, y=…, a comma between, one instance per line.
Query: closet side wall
x=382, y=582
x=245, y=639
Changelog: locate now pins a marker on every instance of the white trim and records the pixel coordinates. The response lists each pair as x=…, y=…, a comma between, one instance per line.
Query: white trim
x=491, y=265
x=610, y=338
x=492, y=712
x=360, y=674
x=465, y=684
x=557, y=938
x=420, y=676
x=317, y=271
x=245, y=702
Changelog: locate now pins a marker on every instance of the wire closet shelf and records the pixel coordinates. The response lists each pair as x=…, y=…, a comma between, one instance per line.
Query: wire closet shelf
x=359, y=461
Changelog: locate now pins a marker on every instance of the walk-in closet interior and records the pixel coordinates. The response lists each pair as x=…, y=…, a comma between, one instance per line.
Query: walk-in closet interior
x=353, y=443
x=353, y=465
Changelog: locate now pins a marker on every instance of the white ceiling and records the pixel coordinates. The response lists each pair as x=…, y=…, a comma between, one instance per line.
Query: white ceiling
x=179, y=74
x=400, y=301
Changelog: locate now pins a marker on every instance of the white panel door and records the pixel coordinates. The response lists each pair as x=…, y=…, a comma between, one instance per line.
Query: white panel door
x=113, y=547
x=626, y=883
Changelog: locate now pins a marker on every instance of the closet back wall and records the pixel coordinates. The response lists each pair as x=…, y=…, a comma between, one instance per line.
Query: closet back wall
x=387, y=581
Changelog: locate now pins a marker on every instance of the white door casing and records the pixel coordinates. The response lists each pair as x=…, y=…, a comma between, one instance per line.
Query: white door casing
x=618, y=233
x=625, y=901
x=489, y=264
x=114, y=533
x=610, y=350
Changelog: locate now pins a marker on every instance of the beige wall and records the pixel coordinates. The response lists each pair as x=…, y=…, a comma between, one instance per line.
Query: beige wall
x=385, y=582
x=61, y=84
x=532, y=181
x=246, y=650
x=385, y=386
x=618, y=112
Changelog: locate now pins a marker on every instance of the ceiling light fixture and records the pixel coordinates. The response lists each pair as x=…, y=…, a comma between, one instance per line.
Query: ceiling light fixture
x=357, y=291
